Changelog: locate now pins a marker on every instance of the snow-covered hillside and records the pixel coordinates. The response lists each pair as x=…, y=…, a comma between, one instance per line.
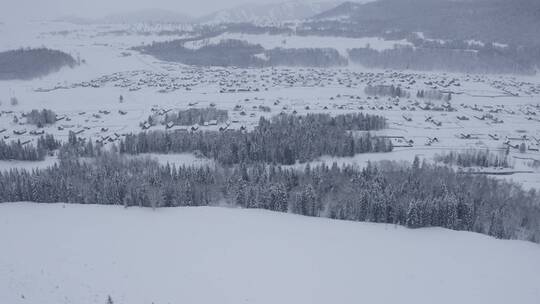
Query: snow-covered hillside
x=147, y=16
x=269, y=13
x=81, y=254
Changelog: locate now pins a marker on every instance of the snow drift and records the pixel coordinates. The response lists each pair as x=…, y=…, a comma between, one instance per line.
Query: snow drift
x=55, y=253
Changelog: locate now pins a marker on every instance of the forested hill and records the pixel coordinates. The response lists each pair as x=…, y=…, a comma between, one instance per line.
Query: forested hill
x=242, y=54
x=513, y=22
x=32, y=63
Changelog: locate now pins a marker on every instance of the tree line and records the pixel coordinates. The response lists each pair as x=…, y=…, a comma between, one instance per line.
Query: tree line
x=417, y=195
x=434, y=95
x=386, y=90
x=474, y=158
x=16, y=150
x=283, y=139
x=190, y=117
x=445, y=59
x=233, y=52
x=32, y=63
x=41, y=118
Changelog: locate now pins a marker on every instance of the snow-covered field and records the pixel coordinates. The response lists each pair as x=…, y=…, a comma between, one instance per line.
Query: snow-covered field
x=56, y=253
x=6, y=165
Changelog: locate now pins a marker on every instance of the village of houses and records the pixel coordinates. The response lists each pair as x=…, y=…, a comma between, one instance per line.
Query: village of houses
x=476, y=111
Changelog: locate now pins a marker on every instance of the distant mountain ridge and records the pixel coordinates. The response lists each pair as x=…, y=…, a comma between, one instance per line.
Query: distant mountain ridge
x=513, y=22
x=345, y=10
x=274, y=12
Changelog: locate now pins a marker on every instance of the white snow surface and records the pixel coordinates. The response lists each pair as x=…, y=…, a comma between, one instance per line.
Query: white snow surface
x=57, y=253
x=6, y=165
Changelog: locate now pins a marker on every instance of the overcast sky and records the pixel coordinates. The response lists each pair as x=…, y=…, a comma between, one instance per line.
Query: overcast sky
x=45, y=9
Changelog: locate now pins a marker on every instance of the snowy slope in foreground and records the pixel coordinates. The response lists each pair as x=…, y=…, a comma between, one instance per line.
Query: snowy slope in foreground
x=80, y=254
